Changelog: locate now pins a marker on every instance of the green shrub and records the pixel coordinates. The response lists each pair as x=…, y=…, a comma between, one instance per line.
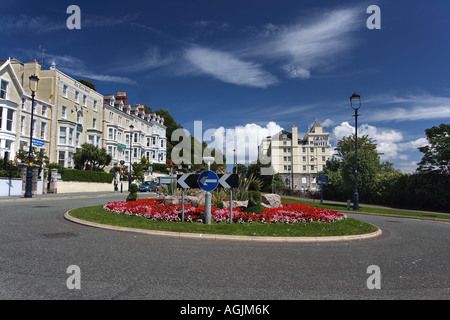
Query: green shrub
x=133, y=192
x=86, y=176
x=254, y=198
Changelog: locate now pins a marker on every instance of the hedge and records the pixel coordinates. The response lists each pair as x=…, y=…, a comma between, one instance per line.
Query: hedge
x=86, y=176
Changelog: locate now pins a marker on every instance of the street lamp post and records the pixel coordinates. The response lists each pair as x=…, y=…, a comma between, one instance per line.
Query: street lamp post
x=131, y=150
x=355, y=102
x=34, y=82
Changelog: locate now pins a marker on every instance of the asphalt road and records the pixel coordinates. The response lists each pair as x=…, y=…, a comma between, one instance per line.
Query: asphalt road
x=37, y=245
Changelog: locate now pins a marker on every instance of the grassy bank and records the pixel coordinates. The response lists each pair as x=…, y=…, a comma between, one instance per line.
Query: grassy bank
x=342, y=207
x=314, y=229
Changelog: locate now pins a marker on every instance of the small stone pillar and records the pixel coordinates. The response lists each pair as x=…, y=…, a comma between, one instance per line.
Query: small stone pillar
x=53, y=185
x=45, y=181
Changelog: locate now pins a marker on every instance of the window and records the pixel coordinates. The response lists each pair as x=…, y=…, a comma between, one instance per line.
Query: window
x=304, y=159
x=323, y=158
x=110, y=133
x=120, y=120
x=77, y=94
x=312, y=168
x=43, y=130
x=77, y=139
x=94, y=123
x=162, y=143
x=62, y=135
x=303, y=150
x=22, y=124
x=1, y=117
x=303, y=179
x=323, y=150
x=64, y=112
x=91, y=139
x=311, y=149
x=127, y=139
x=78, y=117
x=64, y=91
x=304, y=168
x=111, y=117
x=70, y=137
x=9, y=120
x=44, y=111
x=95, y=105
x=34, y=128
x=61, y=158
x=84, y=100
x=3, y=89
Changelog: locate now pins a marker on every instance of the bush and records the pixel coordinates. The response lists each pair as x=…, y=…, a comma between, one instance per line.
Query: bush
x=86, y=176
x=133, y=192
x=254, y=198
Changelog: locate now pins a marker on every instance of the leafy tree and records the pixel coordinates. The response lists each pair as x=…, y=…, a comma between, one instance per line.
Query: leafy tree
x=91, y=157
x=37, y=157
x=341, y=168
x=436, y=156
x=87, y=84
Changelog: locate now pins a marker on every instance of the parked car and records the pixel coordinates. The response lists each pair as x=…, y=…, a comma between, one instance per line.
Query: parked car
x=148, y=186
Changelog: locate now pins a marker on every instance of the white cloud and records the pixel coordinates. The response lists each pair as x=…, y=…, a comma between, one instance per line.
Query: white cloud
x=244, y=139
x=412, y=108
x=76, y=67
x=294, y=72
x=390, y=142
x=327, y=123
x=228, y=68
x=304, y=46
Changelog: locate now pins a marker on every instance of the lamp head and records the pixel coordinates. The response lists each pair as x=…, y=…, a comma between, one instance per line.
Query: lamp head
x=355, y=101
x=34, y=82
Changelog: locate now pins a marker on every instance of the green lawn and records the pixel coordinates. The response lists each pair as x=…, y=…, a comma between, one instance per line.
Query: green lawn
x=342, y=207
x=315, y=229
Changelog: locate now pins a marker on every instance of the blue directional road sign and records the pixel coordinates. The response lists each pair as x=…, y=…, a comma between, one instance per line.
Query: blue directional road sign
x=208, y=180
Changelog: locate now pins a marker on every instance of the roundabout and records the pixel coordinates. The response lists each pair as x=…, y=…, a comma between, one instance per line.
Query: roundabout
x=288, y=223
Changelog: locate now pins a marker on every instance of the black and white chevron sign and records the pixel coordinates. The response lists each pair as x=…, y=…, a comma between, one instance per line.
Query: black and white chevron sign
x=190, y=181
x=187, y=181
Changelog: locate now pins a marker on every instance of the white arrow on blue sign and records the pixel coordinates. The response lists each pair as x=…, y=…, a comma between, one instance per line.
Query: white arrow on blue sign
x=208, y=180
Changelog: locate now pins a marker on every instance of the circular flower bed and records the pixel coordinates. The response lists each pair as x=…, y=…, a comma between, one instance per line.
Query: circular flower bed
x=155, y=209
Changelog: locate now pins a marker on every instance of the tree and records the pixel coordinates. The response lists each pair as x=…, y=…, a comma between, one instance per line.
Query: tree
x=87, y=83
x=37, y=157
x=436, y=156
x=341, y=168
x=91, y=157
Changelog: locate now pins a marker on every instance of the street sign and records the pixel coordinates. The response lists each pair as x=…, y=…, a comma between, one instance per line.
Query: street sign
x=208, y=180
x=187, y=181
x=37, y=143
x=228, y=180
x=324, y=180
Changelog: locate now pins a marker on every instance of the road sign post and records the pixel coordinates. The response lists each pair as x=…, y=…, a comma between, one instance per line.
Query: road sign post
x=208, y=181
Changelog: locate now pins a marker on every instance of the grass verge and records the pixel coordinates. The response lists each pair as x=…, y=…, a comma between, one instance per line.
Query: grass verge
x=314, y=229
x=399, y=212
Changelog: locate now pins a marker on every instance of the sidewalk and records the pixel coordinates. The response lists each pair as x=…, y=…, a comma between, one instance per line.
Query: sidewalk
x=62, y=196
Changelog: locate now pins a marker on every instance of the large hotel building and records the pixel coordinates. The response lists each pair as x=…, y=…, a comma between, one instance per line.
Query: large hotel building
x=298, y=160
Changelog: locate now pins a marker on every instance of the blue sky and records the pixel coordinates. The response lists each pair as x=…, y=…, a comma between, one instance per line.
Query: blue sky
x=256, y=66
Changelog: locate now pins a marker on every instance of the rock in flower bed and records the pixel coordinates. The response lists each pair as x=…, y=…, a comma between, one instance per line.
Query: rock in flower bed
x=155, y=209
